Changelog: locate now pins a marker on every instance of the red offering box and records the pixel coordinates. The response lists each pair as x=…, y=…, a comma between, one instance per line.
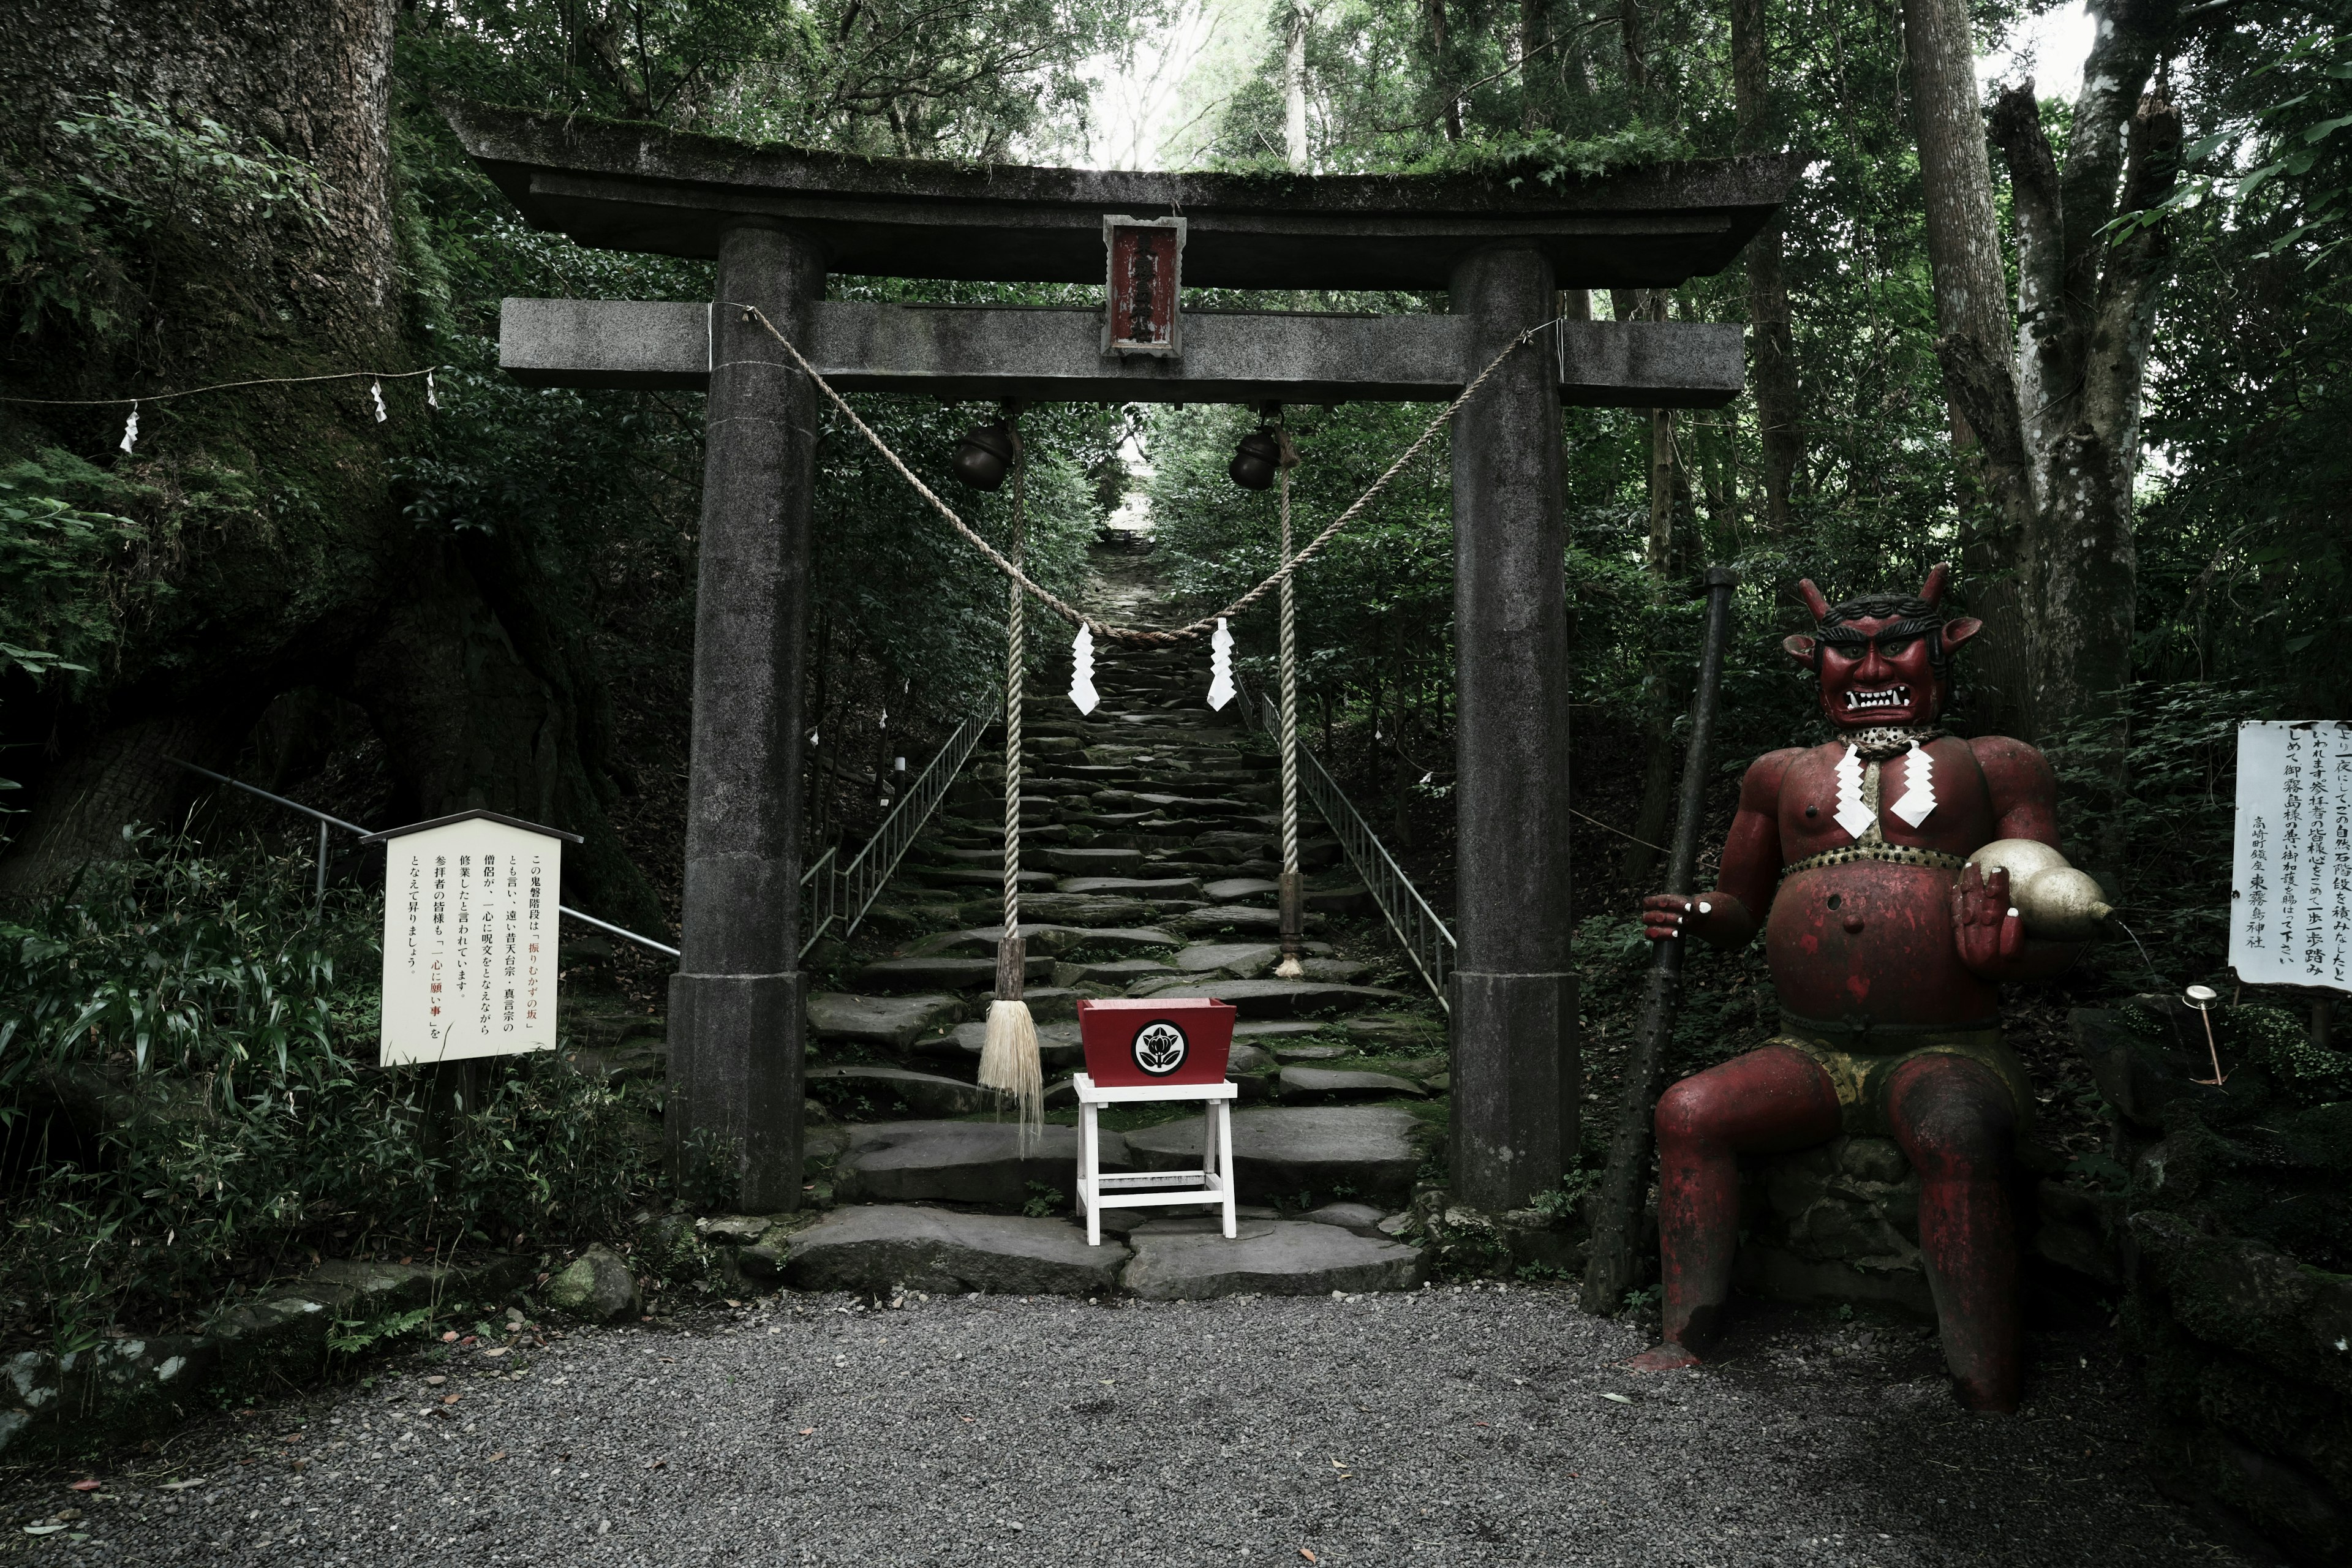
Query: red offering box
x=1141, y=1042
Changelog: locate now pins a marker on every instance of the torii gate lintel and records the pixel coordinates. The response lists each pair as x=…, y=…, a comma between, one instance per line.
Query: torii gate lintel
x=777, y=220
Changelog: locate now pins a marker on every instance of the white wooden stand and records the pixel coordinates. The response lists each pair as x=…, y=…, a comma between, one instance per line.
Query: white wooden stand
x=1213, y=1183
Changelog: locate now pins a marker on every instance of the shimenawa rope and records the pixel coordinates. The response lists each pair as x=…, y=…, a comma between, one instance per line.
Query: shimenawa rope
x=1009, y=1057
x=1140, y=636
x=1293, y=893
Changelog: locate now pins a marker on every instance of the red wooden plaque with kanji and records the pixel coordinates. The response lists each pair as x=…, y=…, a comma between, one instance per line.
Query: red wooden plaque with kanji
x=1146, y=258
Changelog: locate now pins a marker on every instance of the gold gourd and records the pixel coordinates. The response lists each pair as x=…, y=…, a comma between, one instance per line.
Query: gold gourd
x=2059, y=904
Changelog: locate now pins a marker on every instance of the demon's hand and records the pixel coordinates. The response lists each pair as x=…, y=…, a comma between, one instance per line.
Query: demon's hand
x=1986, y=927
x=1719, y=917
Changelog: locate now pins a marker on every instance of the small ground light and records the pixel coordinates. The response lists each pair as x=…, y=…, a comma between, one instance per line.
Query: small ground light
x=2202, y=998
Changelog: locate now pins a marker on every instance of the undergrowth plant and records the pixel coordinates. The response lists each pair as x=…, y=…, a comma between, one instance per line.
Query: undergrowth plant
x=191, y=1107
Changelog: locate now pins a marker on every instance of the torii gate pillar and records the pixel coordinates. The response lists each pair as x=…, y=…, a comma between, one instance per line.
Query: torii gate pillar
x=736, y=1013
x=1512, y=994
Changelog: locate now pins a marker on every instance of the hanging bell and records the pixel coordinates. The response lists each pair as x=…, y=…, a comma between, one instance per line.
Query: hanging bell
x=1255, y=461
x=985, y=455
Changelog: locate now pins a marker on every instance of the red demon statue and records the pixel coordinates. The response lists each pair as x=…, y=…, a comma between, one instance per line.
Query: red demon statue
x=1885, y=956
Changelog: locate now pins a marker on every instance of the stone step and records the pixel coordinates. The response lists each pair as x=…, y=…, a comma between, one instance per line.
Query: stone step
x=1084, y=910
x=1355, y=900
x=1240, y=890
x=1173, y=806
x=1413, y=1031
x=968, y=1162
x=948, y=856
x=1121, y=972
x=893, y=1023
x=1270, y=998
x=1051, y=1003
x=1057, y=1043
x=874, y=1248
x=1049, y=939
x=1239, y=960
x=1270, y=1257
x=1299, y=1083
x=898, y=1090
x=1374, y=1151
x=1157, y=888
x=953, y=876
x=1246, y=919
x=944, y=973
x=1095, y=862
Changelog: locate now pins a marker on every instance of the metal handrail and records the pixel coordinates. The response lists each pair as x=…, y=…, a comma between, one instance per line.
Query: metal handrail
x=831, y=889
x=325, y=821
x=1428, y=941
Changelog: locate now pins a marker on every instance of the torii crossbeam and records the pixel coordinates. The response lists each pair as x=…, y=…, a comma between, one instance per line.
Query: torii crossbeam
x=778, y=220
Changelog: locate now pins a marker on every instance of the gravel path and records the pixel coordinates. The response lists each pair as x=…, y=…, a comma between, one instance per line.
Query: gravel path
x=1457, y=1426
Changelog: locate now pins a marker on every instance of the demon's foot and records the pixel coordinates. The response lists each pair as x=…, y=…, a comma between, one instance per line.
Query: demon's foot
x=1667, y=1356
x=1993, y=1398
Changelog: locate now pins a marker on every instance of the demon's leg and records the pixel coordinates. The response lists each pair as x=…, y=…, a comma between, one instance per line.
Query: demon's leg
x=1769, y=1099
x=1954, y=1118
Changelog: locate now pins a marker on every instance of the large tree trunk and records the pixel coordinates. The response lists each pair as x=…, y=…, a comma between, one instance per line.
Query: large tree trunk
x=271, y=591
x=1970, y=285
x=322, y=579
x=2058, y=410
x=1293, y=91
x=1779, y=413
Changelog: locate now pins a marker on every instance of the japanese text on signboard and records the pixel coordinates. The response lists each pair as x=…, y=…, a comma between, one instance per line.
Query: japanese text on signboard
x=2290, y=895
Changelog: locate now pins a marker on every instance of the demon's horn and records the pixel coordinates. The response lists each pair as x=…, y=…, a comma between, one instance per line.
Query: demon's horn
x=1939, y=577
x=1813, y=598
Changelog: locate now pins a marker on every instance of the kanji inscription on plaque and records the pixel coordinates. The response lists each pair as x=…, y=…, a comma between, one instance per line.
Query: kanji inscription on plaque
x=469, y=938
x=2291, y=883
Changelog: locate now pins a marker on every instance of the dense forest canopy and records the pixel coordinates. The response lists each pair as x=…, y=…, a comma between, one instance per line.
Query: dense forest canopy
x=2095, y=351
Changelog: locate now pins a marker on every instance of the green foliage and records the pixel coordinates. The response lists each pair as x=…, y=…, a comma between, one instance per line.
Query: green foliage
x=126, y=183
x=153, y=171
x=1044, y=1202
x=959, y=79
x=354, y=1336
x=185, y=1085
x=71, y=569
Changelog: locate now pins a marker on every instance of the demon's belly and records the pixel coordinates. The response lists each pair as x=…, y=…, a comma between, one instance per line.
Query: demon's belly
x=1873, y=941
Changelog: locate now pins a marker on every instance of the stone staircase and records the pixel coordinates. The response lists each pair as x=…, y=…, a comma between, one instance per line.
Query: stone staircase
x=1150, y=842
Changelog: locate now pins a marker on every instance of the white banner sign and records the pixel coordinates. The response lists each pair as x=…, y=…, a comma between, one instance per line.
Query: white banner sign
x=469, y=920
x=2291, y=893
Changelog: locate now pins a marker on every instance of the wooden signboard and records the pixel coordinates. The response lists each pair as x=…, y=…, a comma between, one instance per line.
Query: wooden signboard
x=1146, y=264
x=2291, y=883
x=469, y=937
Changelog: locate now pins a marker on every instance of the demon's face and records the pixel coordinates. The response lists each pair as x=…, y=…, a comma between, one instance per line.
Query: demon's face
x=1884, y=662
x=1882, y=670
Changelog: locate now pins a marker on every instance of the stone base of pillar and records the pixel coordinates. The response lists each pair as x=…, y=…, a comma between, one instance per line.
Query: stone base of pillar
x=736, y=1084
x=1517, y=1080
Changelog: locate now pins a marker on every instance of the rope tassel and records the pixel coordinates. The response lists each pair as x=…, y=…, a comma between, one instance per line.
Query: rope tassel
x=1009, y=1059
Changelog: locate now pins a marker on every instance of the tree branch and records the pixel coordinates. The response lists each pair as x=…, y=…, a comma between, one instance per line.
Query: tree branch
x=2048, y=343
x=2116, y=358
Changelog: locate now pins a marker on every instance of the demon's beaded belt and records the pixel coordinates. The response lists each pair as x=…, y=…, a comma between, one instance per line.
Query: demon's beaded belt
x=1892, y=853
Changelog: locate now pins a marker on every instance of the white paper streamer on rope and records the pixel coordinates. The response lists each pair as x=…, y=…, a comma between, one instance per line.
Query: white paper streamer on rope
x=1082, y=672
x=1221, y=666
x=431, y=399
x=1852, y=814
x=130, y=429
x=375, y=390
x=1918, y=786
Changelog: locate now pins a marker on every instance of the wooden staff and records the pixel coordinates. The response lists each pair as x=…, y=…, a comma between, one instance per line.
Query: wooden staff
x=1617, y=1216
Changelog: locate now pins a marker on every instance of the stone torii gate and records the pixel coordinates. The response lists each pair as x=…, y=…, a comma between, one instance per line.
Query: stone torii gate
x=778, y=220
